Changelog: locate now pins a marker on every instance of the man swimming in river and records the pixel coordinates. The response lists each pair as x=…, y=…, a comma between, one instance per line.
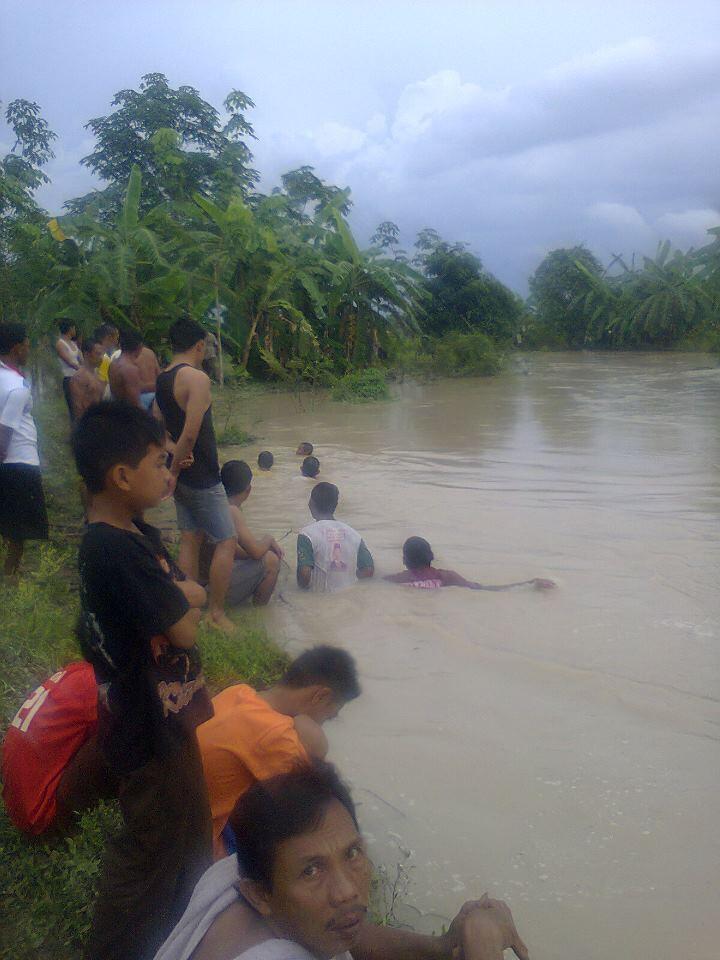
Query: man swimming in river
x=330, y=554
x=419, y=572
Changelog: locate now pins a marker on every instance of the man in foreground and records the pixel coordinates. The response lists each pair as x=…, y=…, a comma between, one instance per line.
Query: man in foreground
x=138, y=630
x=23, y=515
x=330, y=554
x=257, y=559
x=303, y=888
x=256, y=735
x=86, y=387
x=183, y=401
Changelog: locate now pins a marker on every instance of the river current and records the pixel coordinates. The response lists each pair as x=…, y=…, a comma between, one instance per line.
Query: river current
x=559, y=749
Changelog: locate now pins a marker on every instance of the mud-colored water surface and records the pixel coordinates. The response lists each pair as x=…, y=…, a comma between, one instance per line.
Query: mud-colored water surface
x=560, y=749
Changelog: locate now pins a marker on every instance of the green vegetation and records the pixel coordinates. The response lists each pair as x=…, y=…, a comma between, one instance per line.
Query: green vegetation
x=670, y=300
x=361, y=386
x=180, y=226
x=49, y=886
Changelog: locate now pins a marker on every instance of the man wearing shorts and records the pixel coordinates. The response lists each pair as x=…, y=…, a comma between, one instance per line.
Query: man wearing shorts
x=183, y=400
x=257, y=559
x=22, y=503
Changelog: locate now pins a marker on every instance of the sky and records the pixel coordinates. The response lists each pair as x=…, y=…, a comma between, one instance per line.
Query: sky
x=515, y=127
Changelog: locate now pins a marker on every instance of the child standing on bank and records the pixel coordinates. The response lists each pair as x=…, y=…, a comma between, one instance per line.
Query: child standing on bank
x=138, y=630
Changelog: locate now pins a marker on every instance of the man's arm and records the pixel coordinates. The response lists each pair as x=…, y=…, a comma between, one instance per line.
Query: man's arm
x=305, y=561
x=11, y=417
x=183, y=634
x=198, y=401
x=453, y=579
x=195, y=595
x=63, y=351
x=76, y=397
x=5, y=436
x=482, y=930
x=365, y=563
x=311, y=736
x=254, y=547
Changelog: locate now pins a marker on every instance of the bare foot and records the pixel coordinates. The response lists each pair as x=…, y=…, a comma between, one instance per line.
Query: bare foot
x=220, y=621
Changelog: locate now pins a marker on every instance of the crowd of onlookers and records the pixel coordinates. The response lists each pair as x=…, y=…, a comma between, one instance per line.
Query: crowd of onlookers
x=239, y=779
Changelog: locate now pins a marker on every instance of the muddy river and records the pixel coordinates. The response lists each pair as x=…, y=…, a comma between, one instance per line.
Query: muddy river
x=561, y=749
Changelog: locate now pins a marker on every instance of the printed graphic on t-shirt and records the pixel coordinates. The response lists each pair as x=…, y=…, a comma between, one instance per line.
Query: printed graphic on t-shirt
x=424, y=584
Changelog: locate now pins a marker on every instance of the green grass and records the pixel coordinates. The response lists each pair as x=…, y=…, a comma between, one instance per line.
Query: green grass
x=47, y=887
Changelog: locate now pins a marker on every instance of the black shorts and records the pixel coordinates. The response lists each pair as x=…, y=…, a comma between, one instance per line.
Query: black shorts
x=22, y=503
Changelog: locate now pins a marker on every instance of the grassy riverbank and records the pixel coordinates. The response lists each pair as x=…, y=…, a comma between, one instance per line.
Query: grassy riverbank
x=48, y=887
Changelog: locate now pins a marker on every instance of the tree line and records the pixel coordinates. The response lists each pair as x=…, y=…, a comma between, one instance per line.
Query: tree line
x=180, y=226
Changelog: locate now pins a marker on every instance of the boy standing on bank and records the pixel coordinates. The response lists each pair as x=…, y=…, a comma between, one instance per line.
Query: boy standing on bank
x=138, y=630
x=183, y=400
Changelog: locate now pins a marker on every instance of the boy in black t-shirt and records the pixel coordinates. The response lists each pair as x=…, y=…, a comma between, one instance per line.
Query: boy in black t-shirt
x=138, y=626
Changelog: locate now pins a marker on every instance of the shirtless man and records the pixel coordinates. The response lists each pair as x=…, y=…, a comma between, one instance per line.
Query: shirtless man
x=86, y=387
x=124, y=374
x=257, y=559
x=147, y=364
x=184, y=402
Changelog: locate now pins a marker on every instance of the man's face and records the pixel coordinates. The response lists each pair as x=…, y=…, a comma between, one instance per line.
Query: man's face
x=94, y=358
x=321, y=885
x=147, y=483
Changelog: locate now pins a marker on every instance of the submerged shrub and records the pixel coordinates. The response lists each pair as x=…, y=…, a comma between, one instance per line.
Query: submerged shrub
x=361, y=387
x=467, y=355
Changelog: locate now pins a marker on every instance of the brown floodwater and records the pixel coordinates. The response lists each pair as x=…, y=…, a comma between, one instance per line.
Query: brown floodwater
x=561, y=749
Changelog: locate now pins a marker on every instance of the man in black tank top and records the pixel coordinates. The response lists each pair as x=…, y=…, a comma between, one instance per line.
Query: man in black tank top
x=183, y=401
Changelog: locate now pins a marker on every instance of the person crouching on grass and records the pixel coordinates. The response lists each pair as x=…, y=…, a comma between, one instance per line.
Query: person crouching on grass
x=420, y=573
x=138, y=630
x=299, y=888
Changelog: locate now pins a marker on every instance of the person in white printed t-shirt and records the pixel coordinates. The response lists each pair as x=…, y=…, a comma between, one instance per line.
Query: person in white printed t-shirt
x=23, y=515
x=330, y=554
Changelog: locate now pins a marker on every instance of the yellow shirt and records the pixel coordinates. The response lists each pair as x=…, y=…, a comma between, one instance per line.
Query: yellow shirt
x=245, y=741
x=102, y=370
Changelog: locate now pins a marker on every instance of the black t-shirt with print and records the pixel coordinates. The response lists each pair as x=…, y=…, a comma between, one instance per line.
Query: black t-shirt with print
x=127, y=597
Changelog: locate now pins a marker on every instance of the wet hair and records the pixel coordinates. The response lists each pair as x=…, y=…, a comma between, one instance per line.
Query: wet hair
x=236, y=477
x=64, y=324
x=281, y=808
x=185, y=333
x=417, y=553
x=11, y=334
x=104, y=331
x=130, y=340
x=325, y=496
x=89, y=344
x=265, y=460
x=305, y=448
x=310, y=467
x=109, y=433
x=328, y=666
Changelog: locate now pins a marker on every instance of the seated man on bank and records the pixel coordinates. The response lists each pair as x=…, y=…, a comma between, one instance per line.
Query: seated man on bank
x=255, y=735
x=257, y=559
x=330, y=554
x=299, y=889
x=418, y=557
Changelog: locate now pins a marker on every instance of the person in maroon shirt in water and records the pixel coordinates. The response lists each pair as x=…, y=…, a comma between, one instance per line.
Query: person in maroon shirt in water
x=418, y=558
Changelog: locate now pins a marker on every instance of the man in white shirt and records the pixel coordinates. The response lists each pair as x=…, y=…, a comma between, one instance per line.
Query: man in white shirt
x=330, y=554
x=22, y=503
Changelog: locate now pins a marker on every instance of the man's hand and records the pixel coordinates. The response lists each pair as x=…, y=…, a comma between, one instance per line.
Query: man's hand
x=276, y=548
x=482, y=930
x=172, y=483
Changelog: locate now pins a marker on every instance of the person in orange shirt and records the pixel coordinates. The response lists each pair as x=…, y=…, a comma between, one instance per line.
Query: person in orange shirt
x=255, y=735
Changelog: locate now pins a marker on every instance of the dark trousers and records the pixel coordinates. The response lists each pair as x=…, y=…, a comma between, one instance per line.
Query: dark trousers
x=151, y=867
x=86, y=780
x=68, y=398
